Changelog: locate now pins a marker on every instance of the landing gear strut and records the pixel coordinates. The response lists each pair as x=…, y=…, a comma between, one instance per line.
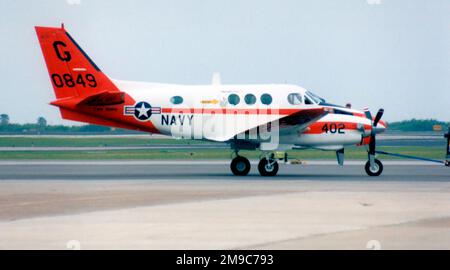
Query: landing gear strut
x=268, y=166
x=240, y=166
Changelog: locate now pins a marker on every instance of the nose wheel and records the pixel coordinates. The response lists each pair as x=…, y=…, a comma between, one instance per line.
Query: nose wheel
x=240, y=166
x=376, y=169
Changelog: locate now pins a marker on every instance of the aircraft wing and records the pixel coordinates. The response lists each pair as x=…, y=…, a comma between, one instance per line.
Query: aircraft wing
x=299, y=121
x=225, y=128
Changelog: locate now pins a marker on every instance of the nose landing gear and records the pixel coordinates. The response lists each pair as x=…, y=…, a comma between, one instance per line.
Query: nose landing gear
x=374, y=169
x=373, y=166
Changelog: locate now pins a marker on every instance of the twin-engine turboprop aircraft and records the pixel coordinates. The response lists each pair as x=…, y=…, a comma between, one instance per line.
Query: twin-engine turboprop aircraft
x=272, y=117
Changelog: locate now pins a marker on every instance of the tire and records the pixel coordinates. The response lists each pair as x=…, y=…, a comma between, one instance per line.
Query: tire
x=377, y=172
x=240, y=166
x=264, y=170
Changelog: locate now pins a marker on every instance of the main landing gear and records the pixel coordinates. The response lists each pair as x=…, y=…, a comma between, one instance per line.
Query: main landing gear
x=240, y=166
x=267, y=166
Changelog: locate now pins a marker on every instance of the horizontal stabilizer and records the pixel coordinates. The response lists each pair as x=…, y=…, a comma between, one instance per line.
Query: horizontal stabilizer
x=106, y=98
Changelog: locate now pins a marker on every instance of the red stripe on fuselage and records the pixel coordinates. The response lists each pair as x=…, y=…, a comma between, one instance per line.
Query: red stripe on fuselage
x=231, y=111
x=364, y=141
x=318, y=127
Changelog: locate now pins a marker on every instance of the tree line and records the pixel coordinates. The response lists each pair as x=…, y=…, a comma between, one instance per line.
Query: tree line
x=41, y=127
x=419, y=125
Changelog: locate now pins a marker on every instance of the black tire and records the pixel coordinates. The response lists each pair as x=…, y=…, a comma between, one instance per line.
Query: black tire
x=240, y=166
x=377, y=172
x=264, y=171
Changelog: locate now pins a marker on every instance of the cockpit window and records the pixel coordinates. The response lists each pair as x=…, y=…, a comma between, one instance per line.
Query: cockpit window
x=295, y=98
x=308, y=100
x=315, y=97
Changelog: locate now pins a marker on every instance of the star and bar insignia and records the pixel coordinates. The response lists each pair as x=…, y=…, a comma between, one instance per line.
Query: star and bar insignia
x=142, y=110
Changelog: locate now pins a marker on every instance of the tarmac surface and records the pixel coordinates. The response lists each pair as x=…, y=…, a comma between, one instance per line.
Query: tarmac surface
x=200, y=205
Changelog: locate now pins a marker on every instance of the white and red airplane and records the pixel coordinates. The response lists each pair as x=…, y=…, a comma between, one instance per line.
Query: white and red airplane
x=270, y=117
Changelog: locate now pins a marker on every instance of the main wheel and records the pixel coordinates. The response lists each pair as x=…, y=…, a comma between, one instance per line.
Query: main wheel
x=240, y=166
x=267, y=169
x=376, y=170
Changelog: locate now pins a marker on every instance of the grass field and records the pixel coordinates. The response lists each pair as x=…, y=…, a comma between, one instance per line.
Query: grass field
x=87, y=141
x=352, y=153
x=355, y=153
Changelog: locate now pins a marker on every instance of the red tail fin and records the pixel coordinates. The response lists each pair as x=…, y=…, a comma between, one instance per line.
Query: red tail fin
x=72, y=72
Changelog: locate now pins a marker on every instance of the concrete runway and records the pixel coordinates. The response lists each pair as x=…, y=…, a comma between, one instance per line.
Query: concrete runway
x=394, y=142
x=213, y=170
x=199, y=205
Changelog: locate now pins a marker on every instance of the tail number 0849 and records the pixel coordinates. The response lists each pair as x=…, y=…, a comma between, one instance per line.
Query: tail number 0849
x=69, y=81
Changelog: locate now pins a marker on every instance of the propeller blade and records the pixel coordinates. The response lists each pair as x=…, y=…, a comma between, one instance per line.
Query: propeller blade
x=378, y=117
x=368, y=114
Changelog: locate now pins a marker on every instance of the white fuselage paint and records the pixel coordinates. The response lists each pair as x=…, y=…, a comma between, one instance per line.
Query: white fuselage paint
x=199, y=117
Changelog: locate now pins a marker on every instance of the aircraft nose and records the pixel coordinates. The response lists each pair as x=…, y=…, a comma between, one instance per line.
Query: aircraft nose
x=381, y=127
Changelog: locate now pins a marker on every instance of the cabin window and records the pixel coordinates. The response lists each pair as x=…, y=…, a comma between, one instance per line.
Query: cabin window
x=250, y=99
x=176, y=100
x=295, y=98
x=266, y=99
x=233, y=99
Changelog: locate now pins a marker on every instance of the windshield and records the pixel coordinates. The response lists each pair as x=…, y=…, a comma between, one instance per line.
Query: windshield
x=315, y=97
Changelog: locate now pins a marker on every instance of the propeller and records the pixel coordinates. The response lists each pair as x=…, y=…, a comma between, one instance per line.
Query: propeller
x=374, y=131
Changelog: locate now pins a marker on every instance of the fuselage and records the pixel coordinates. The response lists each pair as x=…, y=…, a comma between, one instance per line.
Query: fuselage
x=219, y=112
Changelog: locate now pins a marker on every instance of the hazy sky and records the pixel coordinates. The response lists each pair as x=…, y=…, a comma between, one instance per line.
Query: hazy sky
x=393, y=54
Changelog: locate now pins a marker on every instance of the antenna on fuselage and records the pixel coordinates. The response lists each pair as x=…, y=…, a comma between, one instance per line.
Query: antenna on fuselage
x=216, y=79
